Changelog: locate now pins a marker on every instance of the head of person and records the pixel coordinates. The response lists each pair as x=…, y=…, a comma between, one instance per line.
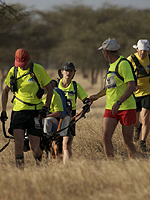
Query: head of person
x=109, y=47
x=21, y=58
x=142, y=48
x=68, y=70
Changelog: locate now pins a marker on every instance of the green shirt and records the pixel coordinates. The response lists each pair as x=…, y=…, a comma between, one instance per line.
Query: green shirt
x=70, y=93
x=27, y=87
x=116, y=87
x=56, y=102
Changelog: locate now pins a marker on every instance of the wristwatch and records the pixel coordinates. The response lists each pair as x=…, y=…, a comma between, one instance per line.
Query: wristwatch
x=119, y=103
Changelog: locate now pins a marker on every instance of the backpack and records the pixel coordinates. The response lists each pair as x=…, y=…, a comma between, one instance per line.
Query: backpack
x=117, y=73
x=14, y=88
x=64, y=100
x=67, y=105
x=141, y=72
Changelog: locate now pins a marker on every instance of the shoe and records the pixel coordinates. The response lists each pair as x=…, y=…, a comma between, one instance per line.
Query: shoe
x=143, y=145
x=137, y=133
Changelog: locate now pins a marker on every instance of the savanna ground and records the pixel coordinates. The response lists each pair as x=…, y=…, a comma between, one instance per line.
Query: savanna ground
x=88, y=176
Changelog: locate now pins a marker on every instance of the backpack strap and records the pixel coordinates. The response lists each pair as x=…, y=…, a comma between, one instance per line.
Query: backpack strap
x=75, y=89
x=15, y=72
x=116, y=70
x=139, y=68
x=117, y=73
x=33, y=75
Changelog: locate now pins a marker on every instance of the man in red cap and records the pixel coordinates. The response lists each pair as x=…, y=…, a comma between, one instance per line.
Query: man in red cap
x=27, y=81
x=21, y=58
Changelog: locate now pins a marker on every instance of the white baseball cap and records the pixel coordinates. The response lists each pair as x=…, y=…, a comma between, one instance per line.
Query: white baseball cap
x=142, y=45
x=110, y=45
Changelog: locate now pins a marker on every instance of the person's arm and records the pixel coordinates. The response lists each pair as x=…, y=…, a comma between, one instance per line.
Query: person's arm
x=98, y=95
x=55, y=114
x=49, y=95
x=131, y=87
x=5, y=97
x=3, y=116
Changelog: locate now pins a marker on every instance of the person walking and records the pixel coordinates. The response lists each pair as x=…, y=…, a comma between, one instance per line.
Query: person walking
x=72, y=91
x=141, y=63
x=26, y=80
x=120, y=103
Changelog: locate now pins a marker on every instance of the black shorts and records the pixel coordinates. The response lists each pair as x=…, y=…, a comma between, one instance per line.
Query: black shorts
x=142, y=102
x=25, y=119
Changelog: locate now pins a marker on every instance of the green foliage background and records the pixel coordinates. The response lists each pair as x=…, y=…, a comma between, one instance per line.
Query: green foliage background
x=71, y=33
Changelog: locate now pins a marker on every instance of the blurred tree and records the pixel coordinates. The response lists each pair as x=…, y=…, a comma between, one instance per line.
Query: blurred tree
x=71, y=33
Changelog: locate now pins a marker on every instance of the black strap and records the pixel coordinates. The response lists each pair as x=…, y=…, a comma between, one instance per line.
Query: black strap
x=139, y=68
x=117, y=73
x=116, y=69
x=33, y=75
x=30, y=72
x=75, y=89
x=29, y=104
x=15, y=73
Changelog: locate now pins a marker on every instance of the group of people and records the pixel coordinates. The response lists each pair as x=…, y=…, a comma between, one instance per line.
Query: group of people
x=127, y=100
x=127, y=95
x=34, y=97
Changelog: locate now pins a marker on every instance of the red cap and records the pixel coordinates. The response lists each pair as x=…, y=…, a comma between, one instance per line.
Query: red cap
x=21, y=58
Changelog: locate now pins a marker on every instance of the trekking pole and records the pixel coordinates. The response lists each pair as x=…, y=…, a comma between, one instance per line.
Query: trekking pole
x=5, y=146
x=4, y=131
x=6, y=136
x=82, y=113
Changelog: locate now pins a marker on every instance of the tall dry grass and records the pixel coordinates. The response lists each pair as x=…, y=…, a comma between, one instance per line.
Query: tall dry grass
x=88, y=176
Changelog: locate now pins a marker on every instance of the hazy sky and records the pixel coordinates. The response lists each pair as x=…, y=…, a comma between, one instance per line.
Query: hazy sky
x=48, y=4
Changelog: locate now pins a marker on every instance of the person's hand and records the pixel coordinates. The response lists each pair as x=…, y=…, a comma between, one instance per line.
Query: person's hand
x=86, y=108
x=3, y=116
x=93, y=97
x=115, y=108
x=44, y=111
x=136, y=88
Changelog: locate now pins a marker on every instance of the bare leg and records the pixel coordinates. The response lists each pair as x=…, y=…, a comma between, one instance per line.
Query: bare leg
x=145, y=114
x=137, y=124
x=109, y=125
x=128, y=139
x=67, y=148
x=19, y=143
x=35, y=146
x=56, y=150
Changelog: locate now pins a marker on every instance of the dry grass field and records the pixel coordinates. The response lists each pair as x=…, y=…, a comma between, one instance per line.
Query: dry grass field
x=88, y=176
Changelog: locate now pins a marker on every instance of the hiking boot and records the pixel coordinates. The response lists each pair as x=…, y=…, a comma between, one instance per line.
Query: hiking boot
x=143, y=145
x=20, y=161
x=137, y=133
